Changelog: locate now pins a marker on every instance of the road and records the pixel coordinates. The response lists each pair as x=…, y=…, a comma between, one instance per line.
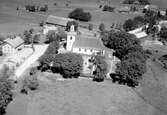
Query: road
x=39, y=50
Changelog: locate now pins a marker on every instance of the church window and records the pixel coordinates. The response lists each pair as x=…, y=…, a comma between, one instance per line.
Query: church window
x=85, y=50
x=71, y=38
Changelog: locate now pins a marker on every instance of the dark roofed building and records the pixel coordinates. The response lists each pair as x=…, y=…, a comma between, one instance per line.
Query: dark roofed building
x=58, y=21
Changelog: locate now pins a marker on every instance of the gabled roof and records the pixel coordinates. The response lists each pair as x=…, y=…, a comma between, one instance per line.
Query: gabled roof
x=16, y=42
x=58, y=20
x=89, y=42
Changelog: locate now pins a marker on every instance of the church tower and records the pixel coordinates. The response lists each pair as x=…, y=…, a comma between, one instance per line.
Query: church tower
x=71, y=35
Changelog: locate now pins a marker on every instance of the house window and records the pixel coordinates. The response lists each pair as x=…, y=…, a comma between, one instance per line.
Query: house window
x=71, y=38
x=91, y=50
x=79, y=49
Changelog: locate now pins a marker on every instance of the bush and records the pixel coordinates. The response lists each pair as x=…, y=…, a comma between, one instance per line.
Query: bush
x=79, y=14
x=101, y=27
x=129, y=25
x=90, y=27
x=30, y=8
x=163, y=34
x=28, y=36
x=5, y=94
x=141, y=2
x=128, y=1
x=36, y=38
x=68, y=64
x=101, y=69
x=30, y=82
x=6, y=87
x=44, y=9
x=108, y=8
x=131, y=70
x=52, y=36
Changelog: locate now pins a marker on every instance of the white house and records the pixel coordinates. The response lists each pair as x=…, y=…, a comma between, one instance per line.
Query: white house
x=11, y=46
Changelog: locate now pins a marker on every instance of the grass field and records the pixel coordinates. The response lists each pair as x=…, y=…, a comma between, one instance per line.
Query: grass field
x=79, y=97
x=14, y=22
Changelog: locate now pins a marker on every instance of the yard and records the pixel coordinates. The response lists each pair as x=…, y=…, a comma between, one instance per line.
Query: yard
x=79, y=97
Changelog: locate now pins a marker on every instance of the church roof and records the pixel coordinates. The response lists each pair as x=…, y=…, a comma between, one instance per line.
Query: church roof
x=89, y=42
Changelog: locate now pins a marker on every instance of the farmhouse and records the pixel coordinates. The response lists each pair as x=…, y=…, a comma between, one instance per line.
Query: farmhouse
x=53, y=22
x=151, y=7
x=11, y=46
x=57, y=21
x=139, y=33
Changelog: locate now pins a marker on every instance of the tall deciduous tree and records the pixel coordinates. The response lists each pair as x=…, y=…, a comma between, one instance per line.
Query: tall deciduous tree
x=121, y=42
x=101, y=27
x=131, y=69
x=6, y=87
x=69, y=23
x=79, y=14
x=101, y=68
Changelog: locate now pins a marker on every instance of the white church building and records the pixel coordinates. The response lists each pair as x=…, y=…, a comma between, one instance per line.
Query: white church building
x=87, y=45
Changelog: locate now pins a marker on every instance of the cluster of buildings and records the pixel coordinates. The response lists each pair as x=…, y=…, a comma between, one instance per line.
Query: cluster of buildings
x=83, y=41
x=15, y=52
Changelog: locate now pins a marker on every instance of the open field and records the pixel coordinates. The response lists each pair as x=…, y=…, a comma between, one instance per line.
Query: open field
x=13, y=21
x=80, y=97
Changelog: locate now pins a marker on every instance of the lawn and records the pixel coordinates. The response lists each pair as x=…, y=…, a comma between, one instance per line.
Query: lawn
x=79, y=97
x=154, y=87
x=14, y=22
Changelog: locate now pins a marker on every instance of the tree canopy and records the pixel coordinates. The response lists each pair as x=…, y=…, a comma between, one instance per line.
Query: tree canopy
x=128, y=49
x=101, y=68
x=68, y=64
x=131, y=69
x=79, y=14
x=121, y=42
x=6, y=87
x=69, y=23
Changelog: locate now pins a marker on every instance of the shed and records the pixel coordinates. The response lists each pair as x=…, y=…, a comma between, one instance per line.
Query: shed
x=59, y=21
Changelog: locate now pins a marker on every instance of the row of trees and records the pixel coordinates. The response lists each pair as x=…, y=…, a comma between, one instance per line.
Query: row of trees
x=6, y=87
x=141, y=2
x=136, y=22
x=101, y=68
x=69, y=65
x=128, y=50
x=80, y=14
x=108, y=8
x=150, y=17
x=30, y=37
x=34, y=8
x=30, y=81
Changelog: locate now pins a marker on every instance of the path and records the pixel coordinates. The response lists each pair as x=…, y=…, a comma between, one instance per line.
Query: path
x=39, y=50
